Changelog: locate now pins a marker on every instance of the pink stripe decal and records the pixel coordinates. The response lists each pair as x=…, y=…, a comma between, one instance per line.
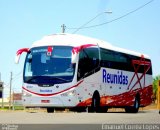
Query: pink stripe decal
x=53, y=93
x=79, y=48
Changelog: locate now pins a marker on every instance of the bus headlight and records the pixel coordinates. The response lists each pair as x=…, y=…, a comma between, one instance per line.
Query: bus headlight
x=70, y=93
x=26, y=94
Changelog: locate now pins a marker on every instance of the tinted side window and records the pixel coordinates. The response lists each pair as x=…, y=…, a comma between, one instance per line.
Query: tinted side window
x=88, y=62
x=115, y=60
x=121, y=61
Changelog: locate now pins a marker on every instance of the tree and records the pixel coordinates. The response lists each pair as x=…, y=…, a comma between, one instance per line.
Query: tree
x=155, y=85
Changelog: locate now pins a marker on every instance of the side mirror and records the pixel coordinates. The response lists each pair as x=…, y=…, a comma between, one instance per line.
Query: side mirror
x=18, y=54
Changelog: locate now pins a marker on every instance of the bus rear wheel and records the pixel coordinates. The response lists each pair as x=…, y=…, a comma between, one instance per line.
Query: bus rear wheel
x=50, y=109
x=135, y=107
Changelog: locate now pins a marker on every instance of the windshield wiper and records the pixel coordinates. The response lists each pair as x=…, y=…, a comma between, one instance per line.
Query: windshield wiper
x=46, y=77
x=33, y=78
x=59, y=79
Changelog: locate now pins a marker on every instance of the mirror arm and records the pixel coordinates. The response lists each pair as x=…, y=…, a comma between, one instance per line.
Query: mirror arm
x=19, y=52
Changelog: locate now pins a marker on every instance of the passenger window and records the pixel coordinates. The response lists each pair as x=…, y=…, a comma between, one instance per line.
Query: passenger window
x=88, y=62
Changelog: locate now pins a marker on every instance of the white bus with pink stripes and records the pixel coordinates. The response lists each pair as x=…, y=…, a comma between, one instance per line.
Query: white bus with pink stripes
x=84, y=74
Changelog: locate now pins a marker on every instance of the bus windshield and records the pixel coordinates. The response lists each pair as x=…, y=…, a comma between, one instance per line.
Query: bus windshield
x=49, y=65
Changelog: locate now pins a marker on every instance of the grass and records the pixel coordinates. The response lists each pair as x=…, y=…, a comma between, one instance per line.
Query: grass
x=15, y=108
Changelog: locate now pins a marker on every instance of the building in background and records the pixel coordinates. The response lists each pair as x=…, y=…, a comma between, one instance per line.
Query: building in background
x=17, y=98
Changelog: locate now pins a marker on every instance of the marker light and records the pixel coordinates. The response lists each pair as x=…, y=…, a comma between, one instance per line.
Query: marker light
x=70, y=93
x=49, y=51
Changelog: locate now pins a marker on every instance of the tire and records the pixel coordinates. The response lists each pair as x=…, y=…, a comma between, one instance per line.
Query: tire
x=81, y=109
x=90, y=109
x=50, y=110
x=95, y=106
x=135, y=107
x=103, y=109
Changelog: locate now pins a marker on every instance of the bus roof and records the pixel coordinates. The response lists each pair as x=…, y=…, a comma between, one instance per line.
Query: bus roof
x=65, y=39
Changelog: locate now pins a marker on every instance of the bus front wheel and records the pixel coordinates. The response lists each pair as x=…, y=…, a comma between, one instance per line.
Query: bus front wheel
x=50, y=109
x=95, y=106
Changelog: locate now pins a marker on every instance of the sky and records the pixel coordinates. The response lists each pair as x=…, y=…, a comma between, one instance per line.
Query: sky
x=24, y=21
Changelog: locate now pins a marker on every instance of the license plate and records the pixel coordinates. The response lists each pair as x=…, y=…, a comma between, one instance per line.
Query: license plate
x=45, y=101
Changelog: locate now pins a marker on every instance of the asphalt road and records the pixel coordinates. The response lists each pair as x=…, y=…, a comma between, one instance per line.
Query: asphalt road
x=79, y=121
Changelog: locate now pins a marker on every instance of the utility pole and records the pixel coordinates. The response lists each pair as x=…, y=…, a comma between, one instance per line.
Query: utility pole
x=158, y=100
x=3, y=95
x=2, y=89
x=63, y=28
x=10, y=98
x=13, y=101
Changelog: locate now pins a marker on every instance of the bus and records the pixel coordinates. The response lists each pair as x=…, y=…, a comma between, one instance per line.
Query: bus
x=84, y=74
